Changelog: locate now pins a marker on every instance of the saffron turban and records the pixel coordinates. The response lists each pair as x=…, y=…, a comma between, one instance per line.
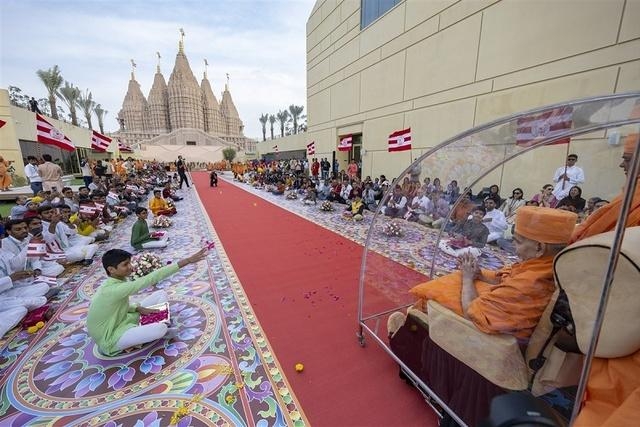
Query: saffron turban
x=545, y=225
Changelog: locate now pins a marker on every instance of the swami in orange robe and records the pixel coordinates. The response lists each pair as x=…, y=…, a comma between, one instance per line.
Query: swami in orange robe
x=612, y=398
x=511, y=300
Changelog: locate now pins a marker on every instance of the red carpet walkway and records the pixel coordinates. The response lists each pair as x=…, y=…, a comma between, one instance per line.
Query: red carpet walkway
x=302, y=282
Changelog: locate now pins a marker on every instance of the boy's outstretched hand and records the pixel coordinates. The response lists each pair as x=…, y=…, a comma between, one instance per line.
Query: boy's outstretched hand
x=198, y=256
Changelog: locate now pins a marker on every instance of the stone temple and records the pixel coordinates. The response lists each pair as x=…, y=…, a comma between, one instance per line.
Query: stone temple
x=181, y=117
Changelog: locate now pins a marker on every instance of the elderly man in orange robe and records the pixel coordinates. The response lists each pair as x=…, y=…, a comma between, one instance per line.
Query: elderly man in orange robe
x=509, y=301
x=613, y=391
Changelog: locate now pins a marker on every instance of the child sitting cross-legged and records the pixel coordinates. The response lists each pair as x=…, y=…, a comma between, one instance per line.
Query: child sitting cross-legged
x=140, y=236
x=112, y=321
x=159, y=206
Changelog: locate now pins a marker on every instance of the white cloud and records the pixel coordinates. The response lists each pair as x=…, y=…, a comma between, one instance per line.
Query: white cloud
x=261, y=44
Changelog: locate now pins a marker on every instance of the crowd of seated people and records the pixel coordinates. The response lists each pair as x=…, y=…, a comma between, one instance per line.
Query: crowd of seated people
x=429, y=202
x=45, y=235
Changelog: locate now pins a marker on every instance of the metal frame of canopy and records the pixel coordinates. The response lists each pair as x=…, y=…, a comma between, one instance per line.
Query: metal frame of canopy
x=611, y=119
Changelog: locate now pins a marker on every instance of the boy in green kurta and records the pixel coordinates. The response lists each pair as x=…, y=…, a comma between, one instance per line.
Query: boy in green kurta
x=140, y=236
x=112, y=321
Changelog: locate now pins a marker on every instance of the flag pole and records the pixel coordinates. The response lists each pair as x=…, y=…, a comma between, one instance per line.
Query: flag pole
x=564, y=181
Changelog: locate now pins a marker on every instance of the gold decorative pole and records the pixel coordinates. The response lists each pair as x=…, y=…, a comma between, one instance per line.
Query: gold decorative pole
x=133, y=69
x=181, y=44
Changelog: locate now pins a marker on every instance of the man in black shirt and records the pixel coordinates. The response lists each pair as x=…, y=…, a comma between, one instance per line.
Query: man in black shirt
x=180, y=165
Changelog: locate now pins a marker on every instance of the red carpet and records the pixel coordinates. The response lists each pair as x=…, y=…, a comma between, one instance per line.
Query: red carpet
x=302, y=281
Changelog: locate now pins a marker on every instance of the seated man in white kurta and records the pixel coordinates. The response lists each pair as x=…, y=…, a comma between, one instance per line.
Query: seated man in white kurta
x=16, y=248
x=14, y=308
x=495, y=221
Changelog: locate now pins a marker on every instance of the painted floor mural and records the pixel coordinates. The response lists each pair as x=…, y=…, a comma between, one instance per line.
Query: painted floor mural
x=219, y=370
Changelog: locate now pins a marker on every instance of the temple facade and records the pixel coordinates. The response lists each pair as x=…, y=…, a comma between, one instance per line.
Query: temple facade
x=181, y=112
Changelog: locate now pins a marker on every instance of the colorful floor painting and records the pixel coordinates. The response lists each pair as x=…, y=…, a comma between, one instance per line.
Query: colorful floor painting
x=219, y=370
x=415, y=248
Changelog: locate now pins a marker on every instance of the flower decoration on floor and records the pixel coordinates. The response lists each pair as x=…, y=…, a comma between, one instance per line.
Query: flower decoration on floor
x=392, y=229
x=143, y=264
x=326, y=206
x=292, y=195
x=162, y=221
x=184, y=410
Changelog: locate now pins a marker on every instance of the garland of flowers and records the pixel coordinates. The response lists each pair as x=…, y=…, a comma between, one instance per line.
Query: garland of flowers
x=326, y=206
x=143, y=264
x=162, y=221
x=392, y=229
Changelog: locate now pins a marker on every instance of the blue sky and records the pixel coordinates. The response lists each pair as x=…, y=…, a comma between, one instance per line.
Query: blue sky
x=260, y=43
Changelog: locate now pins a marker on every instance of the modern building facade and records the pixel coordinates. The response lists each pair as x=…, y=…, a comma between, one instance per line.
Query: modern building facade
x=442, y=67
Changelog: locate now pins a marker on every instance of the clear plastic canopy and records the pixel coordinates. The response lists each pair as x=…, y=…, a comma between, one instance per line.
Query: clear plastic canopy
x=512, y=153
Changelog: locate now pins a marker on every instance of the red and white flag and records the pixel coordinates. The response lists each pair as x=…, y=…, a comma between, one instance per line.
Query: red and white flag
x=400, y=140
x=346, y=142
x=543, y=126
x=36, y=250
x=51, y=281
x=48, y=134
x=275, y=148
x=88, y=209
x=99, y=142
x=123, y=147
x=311, y=148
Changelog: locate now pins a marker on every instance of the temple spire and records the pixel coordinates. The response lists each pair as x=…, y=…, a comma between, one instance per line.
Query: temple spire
x=206, y=64
x=181, y=43
x=226, y=86
x=158, y=66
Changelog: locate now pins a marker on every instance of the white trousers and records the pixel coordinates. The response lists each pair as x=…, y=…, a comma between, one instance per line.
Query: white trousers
x=495, y=236
x=156, y=244
x=80, y=252
x=52, y=268
x=146, y=333
x=27, y=290
x=79, y=240
x=10, y=317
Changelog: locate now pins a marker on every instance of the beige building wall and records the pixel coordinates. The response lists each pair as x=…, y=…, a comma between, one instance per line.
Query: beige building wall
x=444, y=66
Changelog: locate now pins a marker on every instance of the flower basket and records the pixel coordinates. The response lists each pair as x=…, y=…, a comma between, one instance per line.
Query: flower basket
x=392, y=229
x=143, y=264
x=161, y=221
x=326, y=206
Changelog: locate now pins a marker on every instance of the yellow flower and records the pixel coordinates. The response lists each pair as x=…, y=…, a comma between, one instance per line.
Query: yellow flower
x=299, y=367
x=239, y=385
x=230, y=399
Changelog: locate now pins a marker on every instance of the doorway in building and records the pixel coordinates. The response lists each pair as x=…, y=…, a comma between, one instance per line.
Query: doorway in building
x=356, y=153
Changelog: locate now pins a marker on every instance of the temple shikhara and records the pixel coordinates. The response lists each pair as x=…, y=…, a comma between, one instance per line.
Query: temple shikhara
x=181, y=113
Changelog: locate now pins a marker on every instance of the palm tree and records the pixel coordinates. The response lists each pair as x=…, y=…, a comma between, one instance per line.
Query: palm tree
x=263, y=120
x=282, y=116
x=272, y=120
x=70, y=94
x=86, y=104
x=295, y=111
x=52, y=80
x=100, y=113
